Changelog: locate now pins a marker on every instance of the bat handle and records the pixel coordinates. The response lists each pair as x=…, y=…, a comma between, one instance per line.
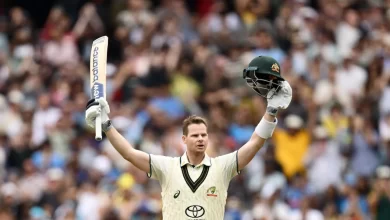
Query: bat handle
x=98, y=128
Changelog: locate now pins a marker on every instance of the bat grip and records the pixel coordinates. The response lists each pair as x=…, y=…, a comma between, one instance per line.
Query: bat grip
x=98, y=128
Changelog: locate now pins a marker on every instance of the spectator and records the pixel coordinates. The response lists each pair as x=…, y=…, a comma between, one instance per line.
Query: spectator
x=379, y=196
x=291, y=145
x=324, y=162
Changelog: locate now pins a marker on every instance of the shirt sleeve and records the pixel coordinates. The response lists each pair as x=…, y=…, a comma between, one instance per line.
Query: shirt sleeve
x=159, y=167
x=229, y=164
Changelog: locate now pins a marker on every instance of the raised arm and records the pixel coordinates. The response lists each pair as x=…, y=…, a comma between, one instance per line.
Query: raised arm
x=266, y=126
x=137, y=158
x=250, y=148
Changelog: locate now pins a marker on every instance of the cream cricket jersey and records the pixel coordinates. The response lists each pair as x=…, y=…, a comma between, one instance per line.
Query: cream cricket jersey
x=194, y=192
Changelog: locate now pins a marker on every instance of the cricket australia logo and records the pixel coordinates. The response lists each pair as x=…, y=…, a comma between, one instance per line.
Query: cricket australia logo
x=275, y=67
x=195, y=211
x=211, y=191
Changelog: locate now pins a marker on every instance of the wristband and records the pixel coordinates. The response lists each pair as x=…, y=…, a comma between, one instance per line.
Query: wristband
x=265, y=129
x=106, y=126
x=272, y=110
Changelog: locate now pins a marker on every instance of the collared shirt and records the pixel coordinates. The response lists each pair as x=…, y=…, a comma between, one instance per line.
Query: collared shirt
x=194, y=191
x=194, y=170
x=184, y=160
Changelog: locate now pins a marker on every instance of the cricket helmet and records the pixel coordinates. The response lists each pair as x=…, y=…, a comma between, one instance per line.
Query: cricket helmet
x=263, y=75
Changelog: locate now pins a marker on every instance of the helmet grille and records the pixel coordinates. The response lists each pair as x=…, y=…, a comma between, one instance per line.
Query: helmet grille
x=261, y=83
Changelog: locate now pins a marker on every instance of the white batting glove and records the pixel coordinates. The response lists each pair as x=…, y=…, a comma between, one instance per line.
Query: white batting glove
x=281, y=100
x=94, y=108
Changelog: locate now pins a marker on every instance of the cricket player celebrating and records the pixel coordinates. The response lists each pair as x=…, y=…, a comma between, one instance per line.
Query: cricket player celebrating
x=194, y=186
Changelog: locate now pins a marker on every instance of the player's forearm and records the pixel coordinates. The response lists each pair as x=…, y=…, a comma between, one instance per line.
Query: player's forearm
x=119, y=143
x=137, y=158
x=257, y=140
x=249, y=150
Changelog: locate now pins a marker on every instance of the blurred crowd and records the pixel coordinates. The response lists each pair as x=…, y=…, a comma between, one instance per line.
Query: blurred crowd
x=329, y=157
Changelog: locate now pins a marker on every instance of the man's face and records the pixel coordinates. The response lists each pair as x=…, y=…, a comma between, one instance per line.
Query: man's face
x=383, y=184
x=197, y=138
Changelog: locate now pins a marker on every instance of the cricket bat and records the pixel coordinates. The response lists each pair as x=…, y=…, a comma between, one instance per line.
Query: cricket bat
x=97, y=71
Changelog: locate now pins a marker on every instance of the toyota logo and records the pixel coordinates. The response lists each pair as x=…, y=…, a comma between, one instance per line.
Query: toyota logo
x=195, y=211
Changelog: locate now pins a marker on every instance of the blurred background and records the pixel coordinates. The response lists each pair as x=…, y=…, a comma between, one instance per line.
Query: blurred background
x=329, y=157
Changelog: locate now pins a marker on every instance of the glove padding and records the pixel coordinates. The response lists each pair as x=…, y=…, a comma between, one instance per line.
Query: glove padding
x=94, y=108
x=281, y=100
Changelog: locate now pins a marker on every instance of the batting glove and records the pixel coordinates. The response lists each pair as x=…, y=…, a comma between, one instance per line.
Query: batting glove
x=93, y=109
x=281, y=100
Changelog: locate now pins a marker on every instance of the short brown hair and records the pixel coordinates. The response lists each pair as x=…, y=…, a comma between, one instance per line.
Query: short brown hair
x=193, y=119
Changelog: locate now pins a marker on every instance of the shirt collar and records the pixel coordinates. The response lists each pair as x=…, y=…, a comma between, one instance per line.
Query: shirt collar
x=184, y=160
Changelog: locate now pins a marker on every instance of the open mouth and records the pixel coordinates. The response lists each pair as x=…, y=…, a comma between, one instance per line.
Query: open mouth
x=200, y=145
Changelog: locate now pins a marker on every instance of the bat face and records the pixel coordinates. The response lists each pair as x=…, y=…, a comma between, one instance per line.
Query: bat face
x=97, y=72
x=98, y=65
